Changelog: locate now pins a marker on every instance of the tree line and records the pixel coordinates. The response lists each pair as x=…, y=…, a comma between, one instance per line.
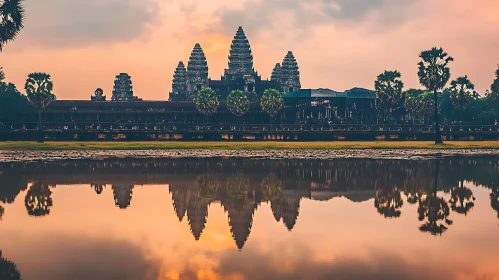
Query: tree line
x=453, y=103
x=238, y=103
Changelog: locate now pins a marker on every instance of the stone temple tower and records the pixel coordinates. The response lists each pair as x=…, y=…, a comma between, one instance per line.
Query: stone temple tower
x=240, y=58
x=179, y=84
x=290, y=74
x=122, y=90
x=197, y=72
x=276, y=74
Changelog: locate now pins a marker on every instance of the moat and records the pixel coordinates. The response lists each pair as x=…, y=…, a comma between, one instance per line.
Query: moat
x=133, y=216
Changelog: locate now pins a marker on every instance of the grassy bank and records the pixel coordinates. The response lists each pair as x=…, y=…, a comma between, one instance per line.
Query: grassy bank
x=242, y=145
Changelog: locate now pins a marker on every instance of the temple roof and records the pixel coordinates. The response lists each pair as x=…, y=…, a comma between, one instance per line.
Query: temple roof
x=276, y=73
x=197, y=64
x=240, y=55
x=328, y=93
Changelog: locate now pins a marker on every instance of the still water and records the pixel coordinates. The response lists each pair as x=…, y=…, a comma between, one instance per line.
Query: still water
x=250, y=219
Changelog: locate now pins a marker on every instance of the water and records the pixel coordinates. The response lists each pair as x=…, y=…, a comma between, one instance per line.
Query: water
x=229, y=218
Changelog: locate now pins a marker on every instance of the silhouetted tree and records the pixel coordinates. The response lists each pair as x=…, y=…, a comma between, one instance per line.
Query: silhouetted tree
x=8, y=269
x=461, y=93
x=98, y=188
x=2, y=74
x=11, y=20
x=11, y=100
x=38, y=199
x=388, y=87
x=494, y=88
x=39, y=90
x=463, y=196
x=494, y=200
x=388, y=202
x=207, y=101
x=271, y=102
x=238, y=103
x=434, y=74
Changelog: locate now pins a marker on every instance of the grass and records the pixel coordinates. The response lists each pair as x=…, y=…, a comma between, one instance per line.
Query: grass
x=245, y=145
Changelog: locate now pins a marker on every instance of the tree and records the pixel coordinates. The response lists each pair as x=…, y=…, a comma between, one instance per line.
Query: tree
x=11, y=20
x=207, y=101
x=494, y=88
x=388, y=87
x=11, y=101
x=238, y=103
x=434, y=74
x=271, y=102
x=412, y=102
x=39, y=90
x=2, y=74
x=461, y=93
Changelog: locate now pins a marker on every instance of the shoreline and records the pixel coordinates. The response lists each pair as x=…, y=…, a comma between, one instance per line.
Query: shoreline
x=230, y=146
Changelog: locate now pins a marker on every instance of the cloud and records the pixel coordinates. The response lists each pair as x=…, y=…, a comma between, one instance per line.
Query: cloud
x=259, y=15
x=81, y=257
x=62, y=23
x=380, y=266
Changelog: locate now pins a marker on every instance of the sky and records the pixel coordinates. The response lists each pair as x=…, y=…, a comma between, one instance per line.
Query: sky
x=339, y=44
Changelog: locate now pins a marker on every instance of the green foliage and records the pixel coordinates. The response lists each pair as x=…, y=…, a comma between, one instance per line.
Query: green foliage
x=238, y=103
x=272, y=102
x=11, y=100
x=11, y=20
x=494, y=88
x=207, y=101
x=39, y=89
x=427, y=102
x=388, y=87
x=434, y=72
x=461, y=92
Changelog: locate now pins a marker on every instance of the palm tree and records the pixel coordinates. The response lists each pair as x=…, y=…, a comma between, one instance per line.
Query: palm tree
x=433, y=75
x=271, y=102
x=461, y=93
x=412, y=102
x=39, y=91
x=388, y=87
x=207, y=101
x=11, y=20
x=494, y=88
x=238, y=103
x=2, y=74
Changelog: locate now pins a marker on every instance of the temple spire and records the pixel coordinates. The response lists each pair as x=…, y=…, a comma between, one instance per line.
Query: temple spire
x=240, y=57
x=276, y=73
x=290, y=74
x=179, y=83
x=197, y=71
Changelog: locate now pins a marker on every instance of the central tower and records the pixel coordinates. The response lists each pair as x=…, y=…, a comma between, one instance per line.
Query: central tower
x=240, y=58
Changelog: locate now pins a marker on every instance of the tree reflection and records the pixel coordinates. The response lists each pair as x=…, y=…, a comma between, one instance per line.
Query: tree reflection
x=494, y=200
x=8, y=269
x=38, y=199
x=388, y=202
x=98, y=188
x=434, y=210
x=462, y=199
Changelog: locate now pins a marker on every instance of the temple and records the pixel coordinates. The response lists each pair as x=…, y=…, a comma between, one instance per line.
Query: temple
x=239, y=75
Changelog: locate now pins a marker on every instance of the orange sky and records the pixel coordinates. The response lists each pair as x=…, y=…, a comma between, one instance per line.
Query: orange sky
x=339, y=44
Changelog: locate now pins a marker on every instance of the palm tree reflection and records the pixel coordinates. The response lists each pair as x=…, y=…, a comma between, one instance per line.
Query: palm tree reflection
x=434, y=210
x=38, y=199
x=8, y=269
x=388, y=202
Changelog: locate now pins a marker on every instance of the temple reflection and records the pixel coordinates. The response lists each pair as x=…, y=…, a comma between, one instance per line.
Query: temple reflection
x=241, y=186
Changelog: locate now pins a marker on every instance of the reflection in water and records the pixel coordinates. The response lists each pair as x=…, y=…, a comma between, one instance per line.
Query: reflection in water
x=8, y=269
x=241, y=186
x=38, y=199
x=435, y=196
